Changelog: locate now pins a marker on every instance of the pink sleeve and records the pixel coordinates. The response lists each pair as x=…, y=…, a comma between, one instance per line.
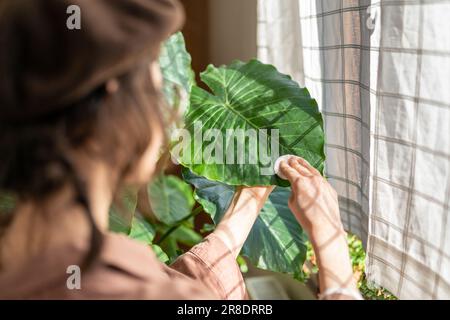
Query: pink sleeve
x=212, y=263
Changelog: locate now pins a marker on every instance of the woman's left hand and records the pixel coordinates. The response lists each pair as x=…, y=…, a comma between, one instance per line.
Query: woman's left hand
x=237, y=222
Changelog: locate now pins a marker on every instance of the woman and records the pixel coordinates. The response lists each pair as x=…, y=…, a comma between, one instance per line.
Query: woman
x=79, y=119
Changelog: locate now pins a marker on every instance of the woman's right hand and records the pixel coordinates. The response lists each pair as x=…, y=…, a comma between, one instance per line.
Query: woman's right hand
x=315, y=204
x=313, y=201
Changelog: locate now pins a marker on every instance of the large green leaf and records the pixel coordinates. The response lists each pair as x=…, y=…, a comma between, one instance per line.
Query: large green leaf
x=256, y=99
x=171, y=199
x=214, y=197
x=176, y=69
x=276, y=241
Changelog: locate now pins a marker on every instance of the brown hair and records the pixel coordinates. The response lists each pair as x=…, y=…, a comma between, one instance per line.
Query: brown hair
x=33, y=154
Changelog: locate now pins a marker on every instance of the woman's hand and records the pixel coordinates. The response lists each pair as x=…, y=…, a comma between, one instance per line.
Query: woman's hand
x=315, y=204
x=237, y=222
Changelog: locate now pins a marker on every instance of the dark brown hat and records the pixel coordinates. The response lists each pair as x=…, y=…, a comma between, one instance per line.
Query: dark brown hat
x=45, y=66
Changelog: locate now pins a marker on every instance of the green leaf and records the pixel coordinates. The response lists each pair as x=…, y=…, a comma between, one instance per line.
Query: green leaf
x=171, y=248
x=181, y=233
x=186, y=236
x=214, y=197
x=117, y=223
x=276, y=241
x=121, y=214
x=142, y=230
x=176, y=69
x=124, y=219
x=160, y=254
x=257, y=99
x=171, y=199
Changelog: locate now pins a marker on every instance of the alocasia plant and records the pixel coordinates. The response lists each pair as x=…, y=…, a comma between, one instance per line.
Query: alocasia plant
x=254, y=101
x=245, y=98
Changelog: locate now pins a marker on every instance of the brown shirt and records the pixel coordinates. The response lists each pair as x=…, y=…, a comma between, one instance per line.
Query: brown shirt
x=126, y=269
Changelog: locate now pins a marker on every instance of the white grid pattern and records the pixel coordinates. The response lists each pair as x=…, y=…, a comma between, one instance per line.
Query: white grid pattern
x=380, y=71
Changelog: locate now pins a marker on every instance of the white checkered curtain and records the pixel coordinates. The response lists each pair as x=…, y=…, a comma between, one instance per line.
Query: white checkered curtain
x=380, y=71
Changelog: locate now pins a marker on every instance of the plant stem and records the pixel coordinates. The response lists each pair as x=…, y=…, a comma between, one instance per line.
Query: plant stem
x=195, y=212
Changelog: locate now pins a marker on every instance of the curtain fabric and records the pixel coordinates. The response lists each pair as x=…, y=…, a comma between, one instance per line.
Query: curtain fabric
x=380, y=71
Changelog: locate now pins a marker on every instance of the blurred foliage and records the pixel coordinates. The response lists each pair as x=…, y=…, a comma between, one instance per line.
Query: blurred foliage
x=171, y=199
x=358, y=257
x=178, y=76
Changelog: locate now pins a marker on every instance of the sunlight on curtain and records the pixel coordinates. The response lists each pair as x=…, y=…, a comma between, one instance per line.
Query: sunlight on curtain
x=380, y=71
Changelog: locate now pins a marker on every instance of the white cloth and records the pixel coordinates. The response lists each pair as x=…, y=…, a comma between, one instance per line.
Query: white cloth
x=380, y=71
